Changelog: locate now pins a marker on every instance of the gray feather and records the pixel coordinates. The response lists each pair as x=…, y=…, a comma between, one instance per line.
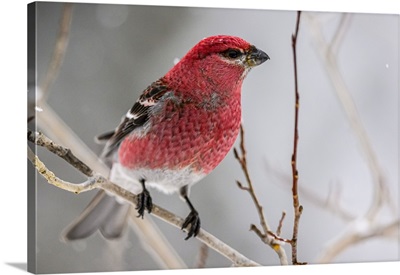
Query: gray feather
x=103, y=213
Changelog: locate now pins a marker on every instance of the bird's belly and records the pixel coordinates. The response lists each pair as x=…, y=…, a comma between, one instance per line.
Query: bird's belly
x=165, y=180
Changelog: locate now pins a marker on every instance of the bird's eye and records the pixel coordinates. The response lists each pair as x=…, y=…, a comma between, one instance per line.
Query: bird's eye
x=232, y=53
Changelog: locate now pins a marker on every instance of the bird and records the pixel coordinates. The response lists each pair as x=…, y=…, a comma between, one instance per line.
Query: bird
x=178, y=131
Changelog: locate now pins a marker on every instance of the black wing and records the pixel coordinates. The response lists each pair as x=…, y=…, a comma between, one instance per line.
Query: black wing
x=136, y=117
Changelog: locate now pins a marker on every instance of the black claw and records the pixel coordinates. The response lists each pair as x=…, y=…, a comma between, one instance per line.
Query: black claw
x=144, y=202
x=193, y=219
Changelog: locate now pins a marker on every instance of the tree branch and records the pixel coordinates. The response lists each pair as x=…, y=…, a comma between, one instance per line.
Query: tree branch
x=329, y=204
x=243, y=163
x=89, y=184
x=371, y=227
x=59, y=51
x=162, y=251
x=295, y=174
x=381, y=194
x=99, y=182
x=267, y=236
x=202, y=257
x=64, y=153
x=155, y=243
x=353, y=236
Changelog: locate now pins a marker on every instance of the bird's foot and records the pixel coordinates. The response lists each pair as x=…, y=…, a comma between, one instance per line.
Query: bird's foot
x=144, y=202
x=192, y=220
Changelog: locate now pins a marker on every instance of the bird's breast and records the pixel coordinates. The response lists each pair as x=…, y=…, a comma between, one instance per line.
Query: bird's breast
x=194, y=133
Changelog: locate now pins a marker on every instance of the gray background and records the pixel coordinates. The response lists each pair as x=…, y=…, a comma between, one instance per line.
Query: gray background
x=115, y=51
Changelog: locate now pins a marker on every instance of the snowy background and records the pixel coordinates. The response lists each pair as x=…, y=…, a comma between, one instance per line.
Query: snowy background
x=115, y=51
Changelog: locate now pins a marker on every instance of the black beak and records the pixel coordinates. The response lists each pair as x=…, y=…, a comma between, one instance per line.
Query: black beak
x=256, y=57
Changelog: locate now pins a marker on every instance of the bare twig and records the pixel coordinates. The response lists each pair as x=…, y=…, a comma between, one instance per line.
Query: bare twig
x=59, y=51
x=99, y=182
x=332, y=206
x=266, y=235
x=64, y=153
x=341, y=30
x=380, y=193
x=279, y=229
x=295, y=174
x=165, y=256
x=54, y=126
x=371, y=226
x=243, y=163
x=202, y=257
x=161, y=250
x=91, y=183
x=353, y=236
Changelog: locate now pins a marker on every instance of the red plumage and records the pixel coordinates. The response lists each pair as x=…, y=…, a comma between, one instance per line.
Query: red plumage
x=198, y=125
x=183, y=124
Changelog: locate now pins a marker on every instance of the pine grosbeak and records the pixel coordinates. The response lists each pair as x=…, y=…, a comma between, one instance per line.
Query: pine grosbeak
x=177, y=132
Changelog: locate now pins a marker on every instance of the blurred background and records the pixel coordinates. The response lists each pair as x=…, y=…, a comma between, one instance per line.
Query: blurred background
x=115, y=51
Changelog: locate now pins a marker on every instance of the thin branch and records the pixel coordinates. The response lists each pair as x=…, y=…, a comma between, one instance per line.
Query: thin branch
x=154, y=239
x=295, y=174
x=59, y=51
x=280, y=224
x=368, y=222
x=243, y=163
x=202, y=257
x=55, y=126
x=99, y=182
x=380, y=192
x=332, y=206
x=90, y=184
x=340, y=33
x=267, y=236
x=353, y=236
x=64, y=153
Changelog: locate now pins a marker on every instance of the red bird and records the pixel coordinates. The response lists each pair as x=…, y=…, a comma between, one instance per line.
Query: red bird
x=177, y=132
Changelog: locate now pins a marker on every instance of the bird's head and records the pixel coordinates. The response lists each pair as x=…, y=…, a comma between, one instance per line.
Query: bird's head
x=221, y=61
x=229, y=49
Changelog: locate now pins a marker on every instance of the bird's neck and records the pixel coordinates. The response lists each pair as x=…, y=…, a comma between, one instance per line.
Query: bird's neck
x=206, y=77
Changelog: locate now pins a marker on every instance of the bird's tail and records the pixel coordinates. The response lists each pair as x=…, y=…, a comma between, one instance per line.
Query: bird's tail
x=103, y=213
